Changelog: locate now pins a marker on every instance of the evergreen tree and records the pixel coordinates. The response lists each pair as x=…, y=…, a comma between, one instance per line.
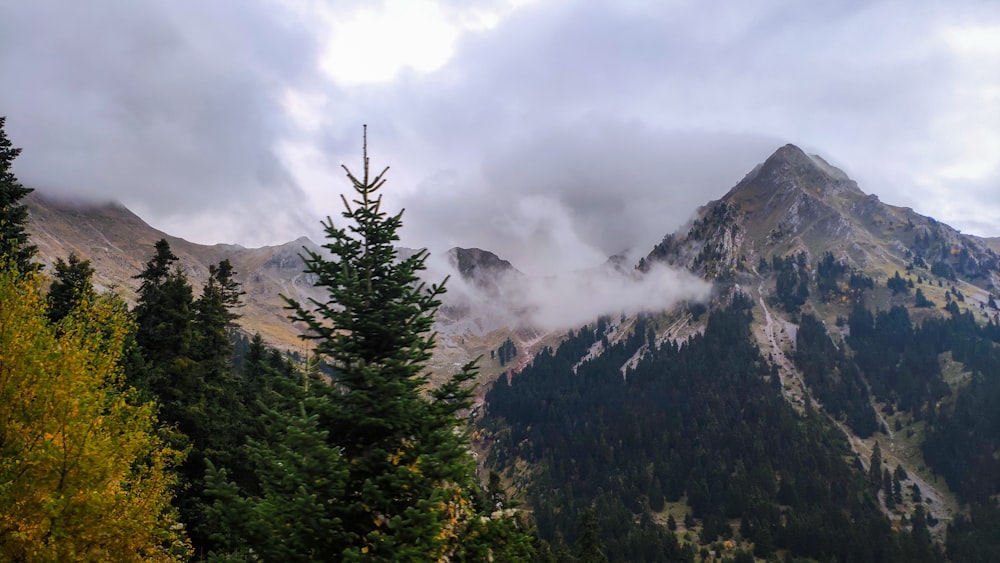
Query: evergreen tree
x=588, y=543
x=214, y=315
x=897, y=489
x=186, y=351
x=887, y=486
x=875, y=467
x=398, y=482
x=70, y=287
x=921, y=534
x=164, y=310
x=920, y=300
x=14, y=243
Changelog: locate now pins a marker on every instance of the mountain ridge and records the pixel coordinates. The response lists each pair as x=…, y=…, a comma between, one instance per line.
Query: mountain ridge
x=795, y=202
x=786, y=215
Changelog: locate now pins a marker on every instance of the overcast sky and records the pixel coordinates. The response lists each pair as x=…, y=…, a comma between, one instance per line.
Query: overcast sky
x=552, y=132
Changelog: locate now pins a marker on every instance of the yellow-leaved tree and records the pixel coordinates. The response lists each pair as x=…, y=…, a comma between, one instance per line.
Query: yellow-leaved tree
x=83, y=475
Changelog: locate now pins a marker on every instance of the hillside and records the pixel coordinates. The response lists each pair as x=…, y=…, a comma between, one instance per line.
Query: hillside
x=118, y=243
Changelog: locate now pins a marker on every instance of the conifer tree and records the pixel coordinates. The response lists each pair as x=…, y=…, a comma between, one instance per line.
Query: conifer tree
x=14, y=243
x=70, y=287
x=408, y=494
x=588, y=545
x=215, y=316
x=875, y=467
x=369, y=464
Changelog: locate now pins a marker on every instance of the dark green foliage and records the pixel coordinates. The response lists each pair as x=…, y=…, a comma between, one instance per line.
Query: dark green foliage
x=833, y=377
x=861, y=282
x=292, y=518
x=185, y=346
x=384, y=426
x=14, y=243
x=899, y=361
x=588, y=543
x=963, y=441
x=897, y=284
x=701, y=420
x=371, y=465
x=828, y=273
x=214, y=316
x=792, y=281
x=163, y=311
x=70, y=286
x=897, y=489
x=921, y=299
x=975, y=538
x=875, y=467
x=506, y=352
x=890, y=500
x=944, y=270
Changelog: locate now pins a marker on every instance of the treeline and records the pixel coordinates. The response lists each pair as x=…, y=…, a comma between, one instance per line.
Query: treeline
x=162, y=433
x=701, y=422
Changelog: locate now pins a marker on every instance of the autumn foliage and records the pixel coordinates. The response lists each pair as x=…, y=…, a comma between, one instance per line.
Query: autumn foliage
x=83, y=475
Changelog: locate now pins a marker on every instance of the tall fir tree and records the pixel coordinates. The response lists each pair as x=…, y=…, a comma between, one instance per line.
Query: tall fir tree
x=409, y=488
x=14, y=242
x=588, y=543
x=397, y=483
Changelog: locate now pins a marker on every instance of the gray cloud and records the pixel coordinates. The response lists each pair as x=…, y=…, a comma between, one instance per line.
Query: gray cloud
x=170, y=107
x=559, y=302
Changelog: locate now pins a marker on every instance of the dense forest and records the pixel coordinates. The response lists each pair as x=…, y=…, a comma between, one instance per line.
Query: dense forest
x=700, y=422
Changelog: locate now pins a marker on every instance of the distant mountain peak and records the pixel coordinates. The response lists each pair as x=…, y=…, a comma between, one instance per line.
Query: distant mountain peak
x=794, y=202
x=790, y=170
x=474, y=263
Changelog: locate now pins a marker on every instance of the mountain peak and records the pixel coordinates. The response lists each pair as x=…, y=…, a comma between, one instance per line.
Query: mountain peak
x=790, y=172
x=472, y=263
x=791, y=162
x=790, y=154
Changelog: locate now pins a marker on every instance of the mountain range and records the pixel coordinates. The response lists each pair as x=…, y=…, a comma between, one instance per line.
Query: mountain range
x=796, y=236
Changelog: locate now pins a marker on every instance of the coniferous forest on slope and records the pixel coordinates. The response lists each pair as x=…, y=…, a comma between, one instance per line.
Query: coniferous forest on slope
x=698, y=421
x=703, y=422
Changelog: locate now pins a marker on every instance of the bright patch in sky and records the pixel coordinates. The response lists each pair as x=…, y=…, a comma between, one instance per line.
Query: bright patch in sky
x=374, y=44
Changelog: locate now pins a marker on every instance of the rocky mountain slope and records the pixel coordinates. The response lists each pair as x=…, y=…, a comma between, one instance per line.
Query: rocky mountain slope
x=118, y=243
x=795, y=202
x=799, y=209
